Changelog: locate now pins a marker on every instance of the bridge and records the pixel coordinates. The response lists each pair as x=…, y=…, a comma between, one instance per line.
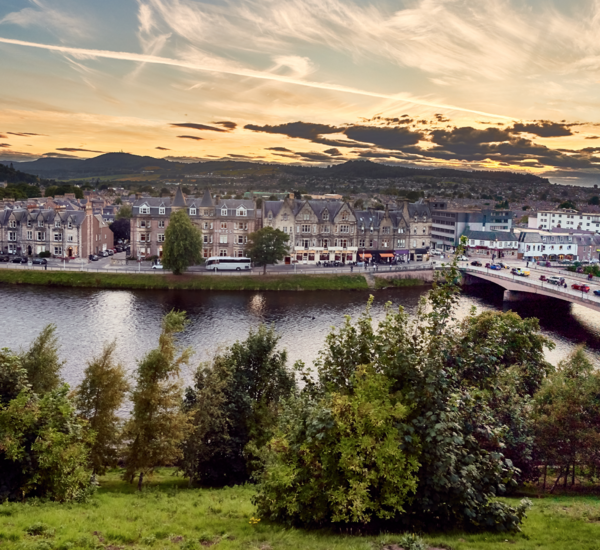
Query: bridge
x=518, y=288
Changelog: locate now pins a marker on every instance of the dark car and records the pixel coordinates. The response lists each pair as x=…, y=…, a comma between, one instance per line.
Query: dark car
x=496, y=267
x=39, y=261
x=19, y=260
x=476, y=263
x=4, y=259
x=597, y=292
x=93, y=257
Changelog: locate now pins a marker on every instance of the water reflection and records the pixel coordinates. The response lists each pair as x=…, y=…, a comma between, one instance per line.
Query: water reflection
x=86, y=319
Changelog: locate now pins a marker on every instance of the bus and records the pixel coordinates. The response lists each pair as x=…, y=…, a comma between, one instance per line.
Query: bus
x=227, y=263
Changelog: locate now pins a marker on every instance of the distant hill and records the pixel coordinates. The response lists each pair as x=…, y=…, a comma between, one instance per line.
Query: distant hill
x=12, y=175
x=125, y=163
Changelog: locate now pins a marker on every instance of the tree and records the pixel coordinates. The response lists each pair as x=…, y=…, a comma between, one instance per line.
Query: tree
x=121, y=229
x=595, y=200
x=98, y=399
x=234, y=405
x=267, y=246
x=118, y=201
x=183, y=244
x=568, y=204
x=41, y=362
x=339, y=459
x=157, y=425
x=124, y=213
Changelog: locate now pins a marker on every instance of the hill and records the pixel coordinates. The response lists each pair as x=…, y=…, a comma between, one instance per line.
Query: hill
x=12, y=175
x=125, y=163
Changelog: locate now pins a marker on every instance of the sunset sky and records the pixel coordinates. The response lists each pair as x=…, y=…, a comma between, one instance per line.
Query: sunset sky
x=470, y=84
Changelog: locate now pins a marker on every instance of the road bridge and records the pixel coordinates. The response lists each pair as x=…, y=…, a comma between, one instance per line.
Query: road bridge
x=524, y=288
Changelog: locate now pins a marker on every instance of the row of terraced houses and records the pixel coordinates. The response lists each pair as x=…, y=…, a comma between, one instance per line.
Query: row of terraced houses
x=319, y=230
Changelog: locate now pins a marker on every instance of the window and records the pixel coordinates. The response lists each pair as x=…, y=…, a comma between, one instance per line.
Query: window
x=223, y=225
x=57, y=237
x=56, y=223
x=161, y=210
x=148, y=224
x=243, y=226
x=224, y=211
x=207, y=239
x=161, y=224
x=161, y=237
x=305, y=243
x=192, y=211
x=28, y=223
x=142, y=223
x=361, y=243
x=325, y=216
x=400, y=230
x=386, y=230
x=326, y=229
x=70, y=225
x=241, y=211
x=223, y=239
x=29, y=235
x=344, y=243
x=385, y=243
x=401, y=242
x=12, y=235
x=325, y=243
x=306, y=229
x=223, y=252
x=242, y=239
x=70, y=238
x=144, y=210
x=344, y=216
x=424, y=231
x=12, y=223
x=306, y=217
x=344, y=229
x=142, y=237
x=414, y=244
x=284, y=229
x=58, y=251
x=240, y=253
x=41, y=236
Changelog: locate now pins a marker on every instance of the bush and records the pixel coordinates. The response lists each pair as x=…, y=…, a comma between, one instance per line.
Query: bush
x=340, y=459
x=44, y=254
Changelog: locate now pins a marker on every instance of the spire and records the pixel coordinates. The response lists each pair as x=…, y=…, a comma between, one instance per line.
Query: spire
x=179, y=200
x=206, y=200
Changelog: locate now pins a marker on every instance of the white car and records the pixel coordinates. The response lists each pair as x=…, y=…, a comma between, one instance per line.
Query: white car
x=462, y=258
x=435, y=252
x=157, y=266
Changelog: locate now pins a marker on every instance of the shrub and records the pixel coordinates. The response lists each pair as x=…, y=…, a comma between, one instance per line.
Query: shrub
x=44, y=254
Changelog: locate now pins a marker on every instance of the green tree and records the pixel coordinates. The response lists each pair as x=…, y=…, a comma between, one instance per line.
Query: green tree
x=567, y=416
x=124, y=213
x=595, y=200
x=183, y=244
x=234, y=405
x=41, y=362
x=340, y=459
x=568, y=204
x=157, y=425
x=98, y=399
x=118, y=201
x=267, y=246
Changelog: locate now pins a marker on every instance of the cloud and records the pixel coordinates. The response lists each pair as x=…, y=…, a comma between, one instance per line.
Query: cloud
x=59, y=156
x=239, y=156
x=592, y=137
x=191, y=137
x=280, y=149
x=333, y=152
x=162, y=149
x=2, y=136
x=227, y=124
x=197, y=126
x=24, y=134
x=186, y=160
x=544, y=128
x=5, y=145
x=75, y=150
x=220, y=66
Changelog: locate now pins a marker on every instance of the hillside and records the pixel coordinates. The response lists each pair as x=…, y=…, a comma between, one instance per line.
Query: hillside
x=12, y=175
x=125, y=163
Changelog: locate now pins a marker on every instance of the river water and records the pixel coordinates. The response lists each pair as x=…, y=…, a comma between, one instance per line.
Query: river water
x=86, y=318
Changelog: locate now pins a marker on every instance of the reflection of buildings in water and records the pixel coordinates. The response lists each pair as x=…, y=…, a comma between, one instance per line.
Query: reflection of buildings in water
x=258, y=304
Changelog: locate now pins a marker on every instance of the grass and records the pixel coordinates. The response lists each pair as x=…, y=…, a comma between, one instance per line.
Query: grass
x=381, y=282
x=169, y=515
x=182, y=282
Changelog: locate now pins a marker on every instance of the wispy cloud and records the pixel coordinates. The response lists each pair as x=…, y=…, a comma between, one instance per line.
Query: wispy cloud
x=75, y=150
x=194, y=126
x=196, y=138
x=162, y=148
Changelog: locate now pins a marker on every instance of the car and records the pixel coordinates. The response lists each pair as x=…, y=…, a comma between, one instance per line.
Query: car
x=496, y=267
x=104, y=254
x=435, y=252
x=110, y=252
x=581, y=287
x=521, y=272
x=40, y=261
x=19, y=260
x=555, y=280
x=462, y=258
x=503, y=265
x=4, y=259
x=476, y=263
x=157, y=265
x=93, y=257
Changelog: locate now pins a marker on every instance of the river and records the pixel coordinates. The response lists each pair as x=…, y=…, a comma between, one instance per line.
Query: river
x=86, y=318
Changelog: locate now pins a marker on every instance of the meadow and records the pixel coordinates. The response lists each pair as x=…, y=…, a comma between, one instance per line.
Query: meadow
x=168, y=514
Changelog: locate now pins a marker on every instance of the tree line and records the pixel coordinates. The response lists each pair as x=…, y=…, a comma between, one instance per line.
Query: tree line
x=416, y=421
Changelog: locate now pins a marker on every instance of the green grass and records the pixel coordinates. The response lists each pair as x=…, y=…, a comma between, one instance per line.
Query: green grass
x=381, y=282
x=183, y=282
x=169, y=515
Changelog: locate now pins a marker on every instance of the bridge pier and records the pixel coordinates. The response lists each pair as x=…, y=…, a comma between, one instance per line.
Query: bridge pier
x=520, y=296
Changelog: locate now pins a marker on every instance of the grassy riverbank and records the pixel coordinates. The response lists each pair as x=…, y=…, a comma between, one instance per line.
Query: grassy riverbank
x=381, y=282
x=152, y=281
x=169, y=515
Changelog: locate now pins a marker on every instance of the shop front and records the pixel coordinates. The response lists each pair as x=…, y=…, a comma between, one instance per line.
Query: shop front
x=402, y=255
x=419, y=255
x=317, y=254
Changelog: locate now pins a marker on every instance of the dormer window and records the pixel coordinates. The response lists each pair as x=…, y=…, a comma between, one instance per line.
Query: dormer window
x=12, y=223
x=56, y=223
x=224, y=211
x=70, y=225
x=344, y=216
x=161, y=210
x=28, y=223
x=325, y=215
x=144, y=209
x=306, y=217
x=40, y=223
x=241, y=211
x=192, y=211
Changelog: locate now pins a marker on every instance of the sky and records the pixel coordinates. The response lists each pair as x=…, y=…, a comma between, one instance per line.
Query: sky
x=467, y=84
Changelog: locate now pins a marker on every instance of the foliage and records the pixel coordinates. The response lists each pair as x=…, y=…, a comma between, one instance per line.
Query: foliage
x=595, y=200
x=234, y=405
x=567, y=415
x=121, y=229
x=42, y=363
x=183, y=243
x=19, y=191
x=44, y=448
x=54, y=190
x=410, y=541
x=98, y=398
x=13, y=377
x=568, y=204
x=124, y=213
x=267, y=246
x=339, y=459
x=157, y=425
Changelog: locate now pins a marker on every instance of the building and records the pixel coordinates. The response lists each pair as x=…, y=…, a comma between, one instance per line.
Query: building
x=501, y=244
x=564, y=219
x=328, y=230
x=64, y=233
x=225, y=224
x=448, y=225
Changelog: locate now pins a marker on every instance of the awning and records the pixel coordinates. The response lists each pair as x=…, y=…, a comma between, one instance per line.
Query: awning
x=365, y=255
x=401, y=252
x=421, y=251
x=386, y=255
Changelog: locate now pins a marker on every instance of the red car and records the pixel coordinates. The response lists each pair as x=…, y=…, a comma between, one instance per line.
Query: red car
x=583, y=288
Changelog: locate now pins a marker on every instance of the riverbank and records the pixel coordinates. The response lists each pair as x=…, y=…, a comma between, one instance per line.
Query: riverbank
x=152, y=281
x=170, y=515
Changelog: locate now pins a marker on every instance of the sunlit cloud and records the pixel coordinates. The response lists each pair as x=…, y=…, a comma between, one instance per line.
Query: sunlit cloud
x=75, y=150
x=194, y=126
x=191, y=137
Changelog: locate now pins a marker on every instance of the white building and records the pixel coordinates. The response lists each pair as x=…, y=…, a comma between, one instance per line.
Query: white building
x=565, y=219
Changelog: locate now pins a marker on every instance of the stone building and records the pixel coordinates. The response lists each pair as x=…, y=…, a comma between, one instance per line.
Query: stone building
x=225, y=223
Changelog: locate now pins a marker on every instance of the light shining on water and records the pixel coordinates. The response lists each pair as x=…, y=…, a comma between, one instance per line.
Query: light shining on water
x=85, y=319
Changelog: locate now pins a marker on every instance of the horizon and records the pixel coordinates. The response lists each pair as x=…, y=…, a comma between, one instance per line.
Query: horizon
x=418, y=83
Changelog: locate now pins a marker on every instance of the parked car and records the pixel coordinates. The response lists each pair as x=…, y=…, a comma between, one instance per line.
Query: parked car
x=476, y=263
x=93, y=257
x=40, y=261
x=560, y=281
x=597, y=292
x=496, y=267
x=110, y=252
x=462, y=258
x=157, y=265
x=503, y=265
x=19, y=260
x=104, y=254
x=582, y=287
x=4, y=259
x=434, y=252
x=521, y=272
